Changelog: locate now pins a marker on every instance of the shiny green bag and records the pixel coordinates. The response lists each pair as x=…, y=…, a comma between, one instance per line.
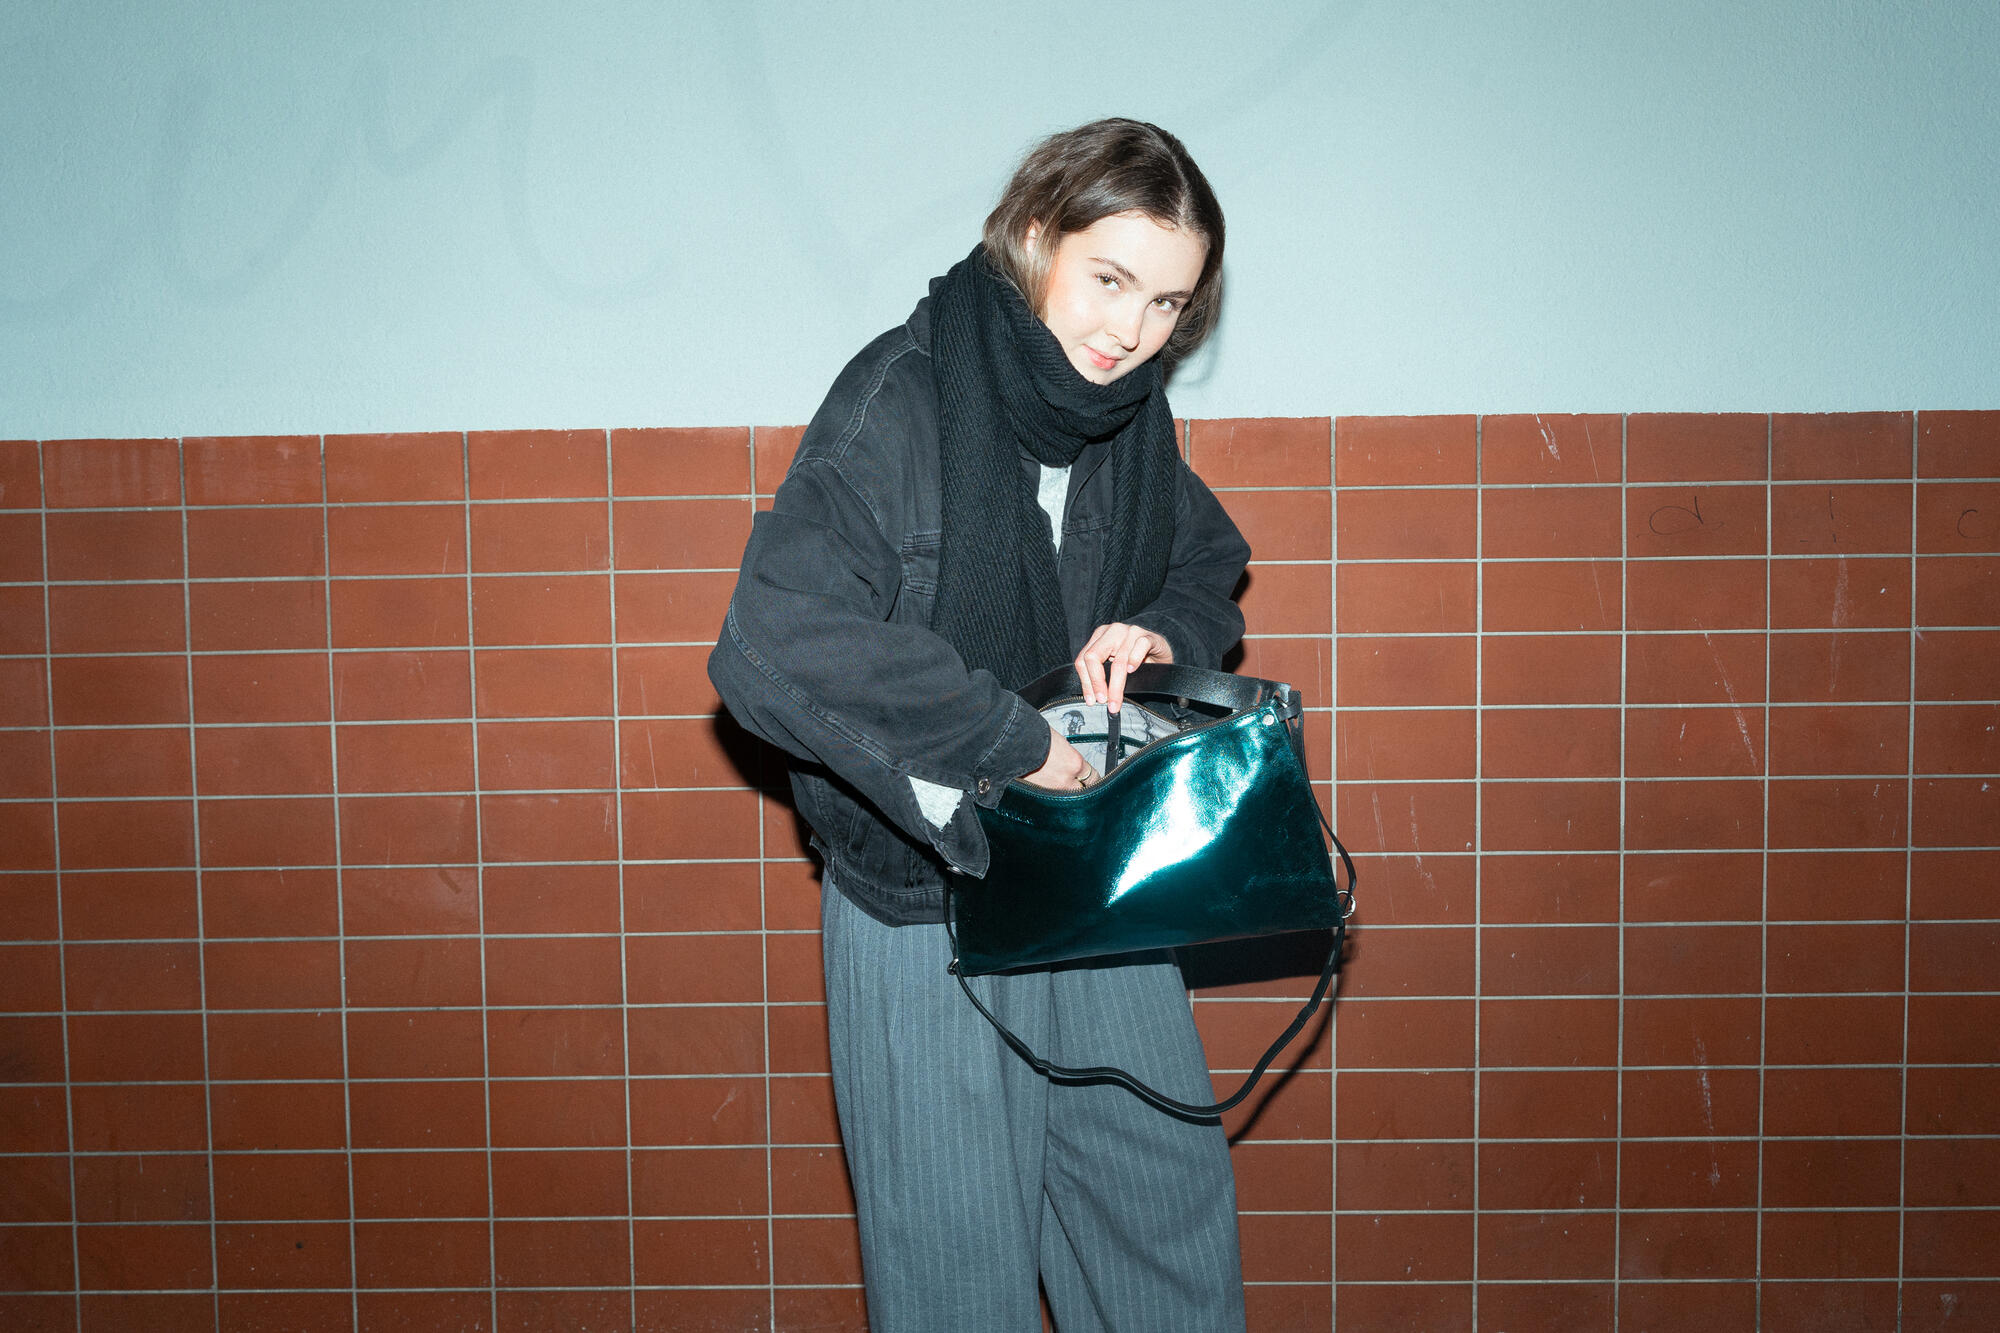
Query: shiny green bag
x=1203, y=828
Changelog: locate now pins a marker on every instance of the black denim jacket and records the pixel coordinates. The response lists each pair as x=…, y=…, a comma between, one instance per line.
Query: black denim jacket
x=827, y=651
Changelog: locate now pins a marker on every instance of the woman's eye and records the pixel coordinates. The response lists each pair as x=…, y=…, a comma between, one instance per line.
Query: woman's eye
x=1168, y=304
x=1107, y=280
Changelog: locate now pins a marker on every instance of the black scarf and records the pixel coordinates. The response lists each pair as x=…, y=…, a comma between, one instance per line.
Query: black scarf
x=1005, y=385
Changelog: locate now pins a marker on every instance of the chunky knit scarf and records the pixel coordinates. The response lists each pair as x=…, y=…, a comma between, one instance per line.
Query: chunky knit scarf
x=1005, y=385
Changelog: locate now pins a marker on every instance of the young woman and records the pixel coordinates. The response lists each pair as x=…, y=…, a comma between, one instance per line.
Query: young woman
x=991, y=490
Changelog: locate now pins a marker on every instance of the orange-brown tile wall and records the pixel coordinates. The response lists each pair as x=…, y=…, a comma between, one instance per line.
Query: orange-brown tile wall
x=393, y=939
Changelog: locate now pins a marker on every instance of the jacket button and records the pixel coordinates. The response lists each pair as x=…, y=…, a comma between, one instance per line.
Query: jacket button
x=985, y=786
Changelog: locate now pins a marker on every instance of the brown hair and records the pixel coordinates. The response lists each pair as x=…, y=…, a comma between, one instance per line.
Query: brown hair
x=1072, y=180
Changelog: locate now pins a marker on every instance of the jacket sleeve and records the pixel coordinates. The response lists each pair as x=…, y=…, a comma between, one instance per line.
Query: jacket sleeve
x=810, y=661
x=1194, y=610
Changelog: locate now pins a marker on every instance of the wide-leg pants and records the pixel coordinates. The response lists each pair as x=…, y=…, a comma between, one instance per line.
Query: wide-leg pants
x=973, y=1175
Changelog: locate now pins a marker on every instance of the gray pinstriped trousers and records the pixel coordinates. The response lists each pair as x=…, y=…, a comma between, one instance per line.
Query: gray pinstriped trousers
x=973, y=1174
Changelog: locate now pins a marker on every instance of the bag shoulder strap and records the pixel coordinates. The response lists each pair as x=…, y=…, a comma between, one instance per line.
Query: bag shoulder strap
x=1145, y=1091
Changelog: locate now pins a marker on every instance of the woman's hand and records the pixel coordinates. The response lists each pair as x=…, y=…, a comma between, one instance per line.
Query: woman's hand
x=1124, y=647
x=1065, y=770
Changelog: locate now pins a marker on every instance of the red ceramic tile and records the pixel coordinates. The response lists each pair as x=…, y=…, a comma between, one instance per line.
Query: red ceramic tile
x=1407, y=525
x=1283, y=525
x=1950, y=1244
x=267, y=832
x=577, y=1113
x=661, y=608
x=1548, y=1033
x=24, y=700
x=274, y=1046
x=1693, y=960
x=554, y=970
x=681, y=461
x=1840, y=740
x=256, y=616
x=556, y=1043
x=681, y=534
x=712, y=1182
x=1958, y=518
x=567, y=827
x=1712, y=814
x=705, y=1250
x=119, y=1047
x=1690, y=1307
x=152, y=975
x=307, y=1311
x=1841, y=667
x=545, y=755
x=1827, y=1245
x=1953, y=884
x=1815, y=446
x=140, y=1118
x=1408, y=817
x=536, y=464
x=33, y=981
x=1838, y=812
x=1813, y=1102
x=562, y=609
x=1266, y=451
x=1835, y=519
x=118, y=762
x=1528, y=669
x=88, y=474
x=1704, y=742
x=257, y=1187
x=542, y=682
x=415, y=1043
x=1690, y=446
x=410, y=900
x=1687, y=1245
x=558, y=1311
x=1955, y=812
x=156, y=1256
x=399, y=685
x=126, y=835
x=1840, y=592
x=425, y=1184
x=674, y=681
x=396, y=539
x=1517, y=1247
x=300, y=1117
x=1405, y=451
x=1698, y=1102
x=1680, y=521
x=1428, y=598
x=1832, y=1173
x=1380, y=745
x=682, y=752
x=1953, y=956
x=386, y=757
x=415, y=1254
x=408, y=830
x=254, y=543
x=718, y=896
x=263, y=760
x=21, y=546
x=1298, y=1248
x=20, y=475
x=750, y=1310
x=690, y=825
x=772, y=450
x=116, y=618
x=1696, y=1031
x=1700, y=595
x=1446, y=1308
x=260, y=687
x=27, y=837
x=1551, y=743
x=1834, y=1029
x=126, y=904
x=1806, y=1307
x=253, y=470
x=1235, y=1034
x=395, y=467
x=1533, y=1104
x=1692, y=1173
x=1954, y=1029
x=538, y=899
x=1547, y=448
x=22, y=612
x=431, y=1116
x=1563, y=522
x=559, y=1184
x=1551, y=1308
x=1955, y=665
x=168, y=1312
x=133, y=544
x=1958, y=590
x=1548, y=960
x=272, y=974
x=1549, y=816
x=270, y=902
x=1952, y=1174
x=525, y=538
x=798, y=1039
x=1958, y=444
x=155, y=1187
x=1399, y=1176
x=684, y=1112
x=1405, y=671
x=816, y=1250
x=1386, y=1105
x=415, y=973
x=1549, y=889
x=399, y=613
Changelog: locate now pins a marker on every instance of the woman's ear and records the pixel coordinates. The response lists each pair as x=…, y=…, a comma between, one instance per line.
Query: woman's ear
x=1034, y=231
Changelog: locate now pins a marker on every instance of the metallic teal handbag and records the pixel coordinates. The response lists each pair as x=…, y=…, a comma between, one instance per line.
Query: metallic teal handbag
x=1204, y=827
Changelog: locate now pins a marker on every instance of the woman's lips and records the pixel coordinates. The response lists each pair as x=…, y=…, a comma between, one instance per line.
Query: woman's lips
x=1100, y=360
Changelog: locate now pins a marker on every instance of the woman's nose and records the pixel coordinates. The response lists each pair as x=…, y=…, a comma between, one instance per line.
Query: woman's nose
x=1123, y=324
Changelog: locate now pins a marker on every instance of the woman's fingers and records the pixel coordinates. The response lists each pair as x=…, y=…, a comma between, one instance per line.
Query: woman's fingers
x=1125, y=648
x=1133, y=655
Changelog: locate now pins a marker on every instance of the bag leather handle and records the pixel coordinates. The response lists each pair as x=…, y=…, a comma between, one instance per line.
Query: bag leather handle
x=1236, y=693
x=1146, y=1092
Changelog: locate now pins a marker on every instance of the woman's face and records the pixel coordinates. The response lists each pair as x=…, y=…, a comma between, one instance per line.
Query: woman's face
x=1116, y=290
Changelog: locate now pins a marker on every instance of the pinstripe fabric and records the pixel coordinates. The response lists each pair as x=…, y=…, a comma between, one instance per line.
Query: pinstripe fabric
x=973, y=1174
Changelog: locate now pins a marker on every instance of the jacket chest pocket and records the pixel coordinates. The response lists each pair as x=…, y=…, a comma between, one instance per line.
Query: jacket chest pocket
x=920, y=579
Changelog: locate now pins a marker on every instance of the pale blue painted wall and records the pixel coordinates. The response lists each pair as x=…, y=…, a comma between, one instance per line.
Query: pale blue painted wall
x=237, y=218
